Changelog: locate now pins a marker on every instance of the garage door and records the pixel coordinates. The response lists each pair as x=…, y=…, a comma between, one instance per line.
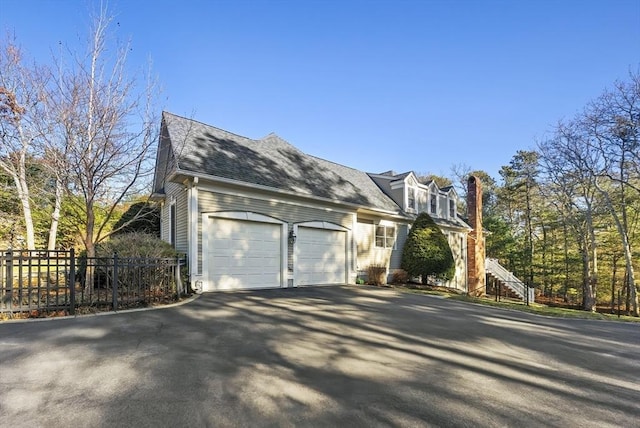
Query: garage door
x=320, y=256
x=243, y=254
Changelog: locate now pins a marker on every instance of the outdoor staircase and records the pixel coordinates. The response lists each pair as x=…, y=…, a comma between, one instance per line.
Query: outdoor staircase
x=508, y=279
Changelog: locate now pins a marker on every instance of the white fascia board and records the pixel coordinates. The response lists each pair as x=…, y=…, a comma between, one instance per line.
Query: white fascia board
x=158, y=197
x=398, y=184
x=394, y=216
x=413, y=181
x=453, y=227
x=387, y=177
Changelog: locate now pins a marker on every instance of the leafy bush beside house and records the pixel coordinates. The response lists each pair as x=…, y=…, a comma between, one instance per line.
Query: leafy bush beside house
x=130, y=245
x=130, y=248
x=426, y=251
x=141, y=217
x=135, y=244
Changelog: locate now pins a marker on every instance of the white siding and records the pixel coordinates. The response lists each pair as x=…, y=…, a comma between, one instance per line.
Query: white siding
x=175, y=193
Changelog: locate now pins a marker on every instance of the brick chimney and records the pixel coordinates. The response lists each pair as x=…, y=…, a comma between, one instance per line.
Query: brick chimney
x=476, y=280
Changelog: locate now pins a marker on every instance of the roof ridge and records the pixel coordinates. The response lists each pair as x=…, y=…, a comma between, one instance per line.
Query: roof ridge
x=272, y=162
x=208, y=126
x=271, y=134
x=336, y=163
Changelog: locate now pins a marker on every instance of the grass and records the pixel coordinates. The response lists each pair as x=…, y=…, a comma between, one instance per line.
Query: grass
x=534, y=308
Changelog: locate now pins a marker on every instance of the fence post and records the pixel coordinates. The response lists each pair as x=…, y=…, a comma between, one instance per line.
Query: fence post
x=114, y=286
x=72, y=282
x=619, y=303
x=178, y=277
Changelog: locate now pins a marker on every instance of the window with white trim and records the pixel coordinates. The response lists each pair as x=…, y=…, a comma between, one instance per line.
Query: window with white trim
x=385, y=236
x=452, y=208
x=411, y=198
x=433, y=201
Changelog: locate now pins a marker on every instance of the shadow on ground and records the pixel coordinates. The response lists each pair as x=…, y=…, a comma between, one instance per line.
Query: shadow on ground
x=330, y=356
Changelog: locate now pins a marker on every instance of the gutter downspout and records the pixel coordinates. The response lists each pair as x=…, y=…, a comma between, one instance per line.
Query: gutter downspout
x=192, y=256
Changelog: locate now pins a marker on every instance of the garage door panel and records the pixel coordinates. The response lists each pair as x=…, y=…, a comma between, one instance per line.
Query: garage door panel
x=244, y=254
x=320, y=256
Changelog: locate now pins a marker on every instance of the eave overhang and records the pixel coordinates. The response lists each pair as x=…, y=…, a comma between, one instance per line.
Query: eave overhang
x=183, y=176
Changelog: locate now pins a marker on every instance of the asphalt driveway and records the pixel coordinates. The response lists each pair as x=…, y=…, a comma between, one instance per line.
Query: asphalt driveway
x=328, y=356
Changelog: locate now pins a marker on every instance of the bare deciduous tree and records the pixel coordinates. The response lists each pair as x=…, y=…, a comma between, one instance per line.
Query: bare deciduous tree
x=612, y=125
x=598, y=152
x=565, y=159
x=22, y=92
x=108, y=130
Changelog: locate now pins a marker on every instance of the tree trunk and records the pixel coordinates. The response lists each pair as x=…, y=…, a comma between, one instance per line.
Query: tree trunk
x=587, y=296
x=566, y=261
x=633, y=294
x=23, y=195
x=626, y=247
x=614, y=269
x=55, y=216
x=591, y=250
x=529, y=226
x=90, y=248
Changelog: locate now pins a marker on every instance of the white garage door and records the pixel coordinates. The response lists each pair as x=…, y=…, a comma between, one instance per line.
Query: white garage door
x=243, y=254
x=320, y=256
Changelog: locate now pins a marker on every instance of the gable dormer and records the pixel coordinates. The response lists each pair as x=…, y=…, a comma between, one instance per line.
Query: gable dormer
x=415, y=197
x=451, y=196
x=405, y=191
x=440, y=202
x=411, y=193
x=433, y=201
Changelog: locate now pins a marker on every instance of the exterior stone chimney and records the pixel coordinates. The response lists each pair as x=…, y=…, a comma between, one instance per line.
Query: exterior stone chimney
x=476, y=279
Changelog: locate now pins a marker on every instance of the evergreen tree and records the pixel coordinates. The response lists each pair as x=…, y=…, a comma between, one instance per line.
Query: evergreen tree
x=426, y=251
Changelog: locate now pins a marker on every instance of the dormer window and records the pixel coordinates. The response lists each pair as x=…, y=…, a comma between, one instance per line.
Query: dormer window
x=452, y=208
x=411, y=198
x=433, y=203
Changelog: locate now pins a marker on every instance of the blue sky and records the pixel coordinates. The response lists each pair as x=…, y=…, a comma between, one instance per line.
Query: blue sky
x=376, y=85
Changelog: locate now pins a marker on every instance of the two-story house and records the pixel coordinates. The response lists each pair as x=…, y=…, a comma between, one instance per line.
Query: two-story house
x=262, y=214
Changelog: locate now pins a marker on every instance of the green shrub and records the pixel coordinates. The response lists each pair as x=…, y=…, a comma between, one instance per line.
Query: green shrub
x=135, y=245
x=141, y=217
x=426, y=251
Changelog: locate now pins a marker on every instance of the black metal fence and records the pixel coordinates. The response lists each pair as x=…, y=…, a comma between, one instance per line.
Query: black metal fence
x=40, y=282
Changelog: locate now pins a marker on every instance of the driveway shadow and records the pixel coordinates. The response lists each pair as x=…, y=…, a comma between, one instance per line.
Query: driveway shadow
x=324, y=356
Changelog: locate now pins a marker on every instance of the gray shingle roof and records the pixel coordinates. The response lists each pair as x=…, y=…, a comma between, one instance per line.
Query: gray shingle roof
x=271, y=162
x=457, y=222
